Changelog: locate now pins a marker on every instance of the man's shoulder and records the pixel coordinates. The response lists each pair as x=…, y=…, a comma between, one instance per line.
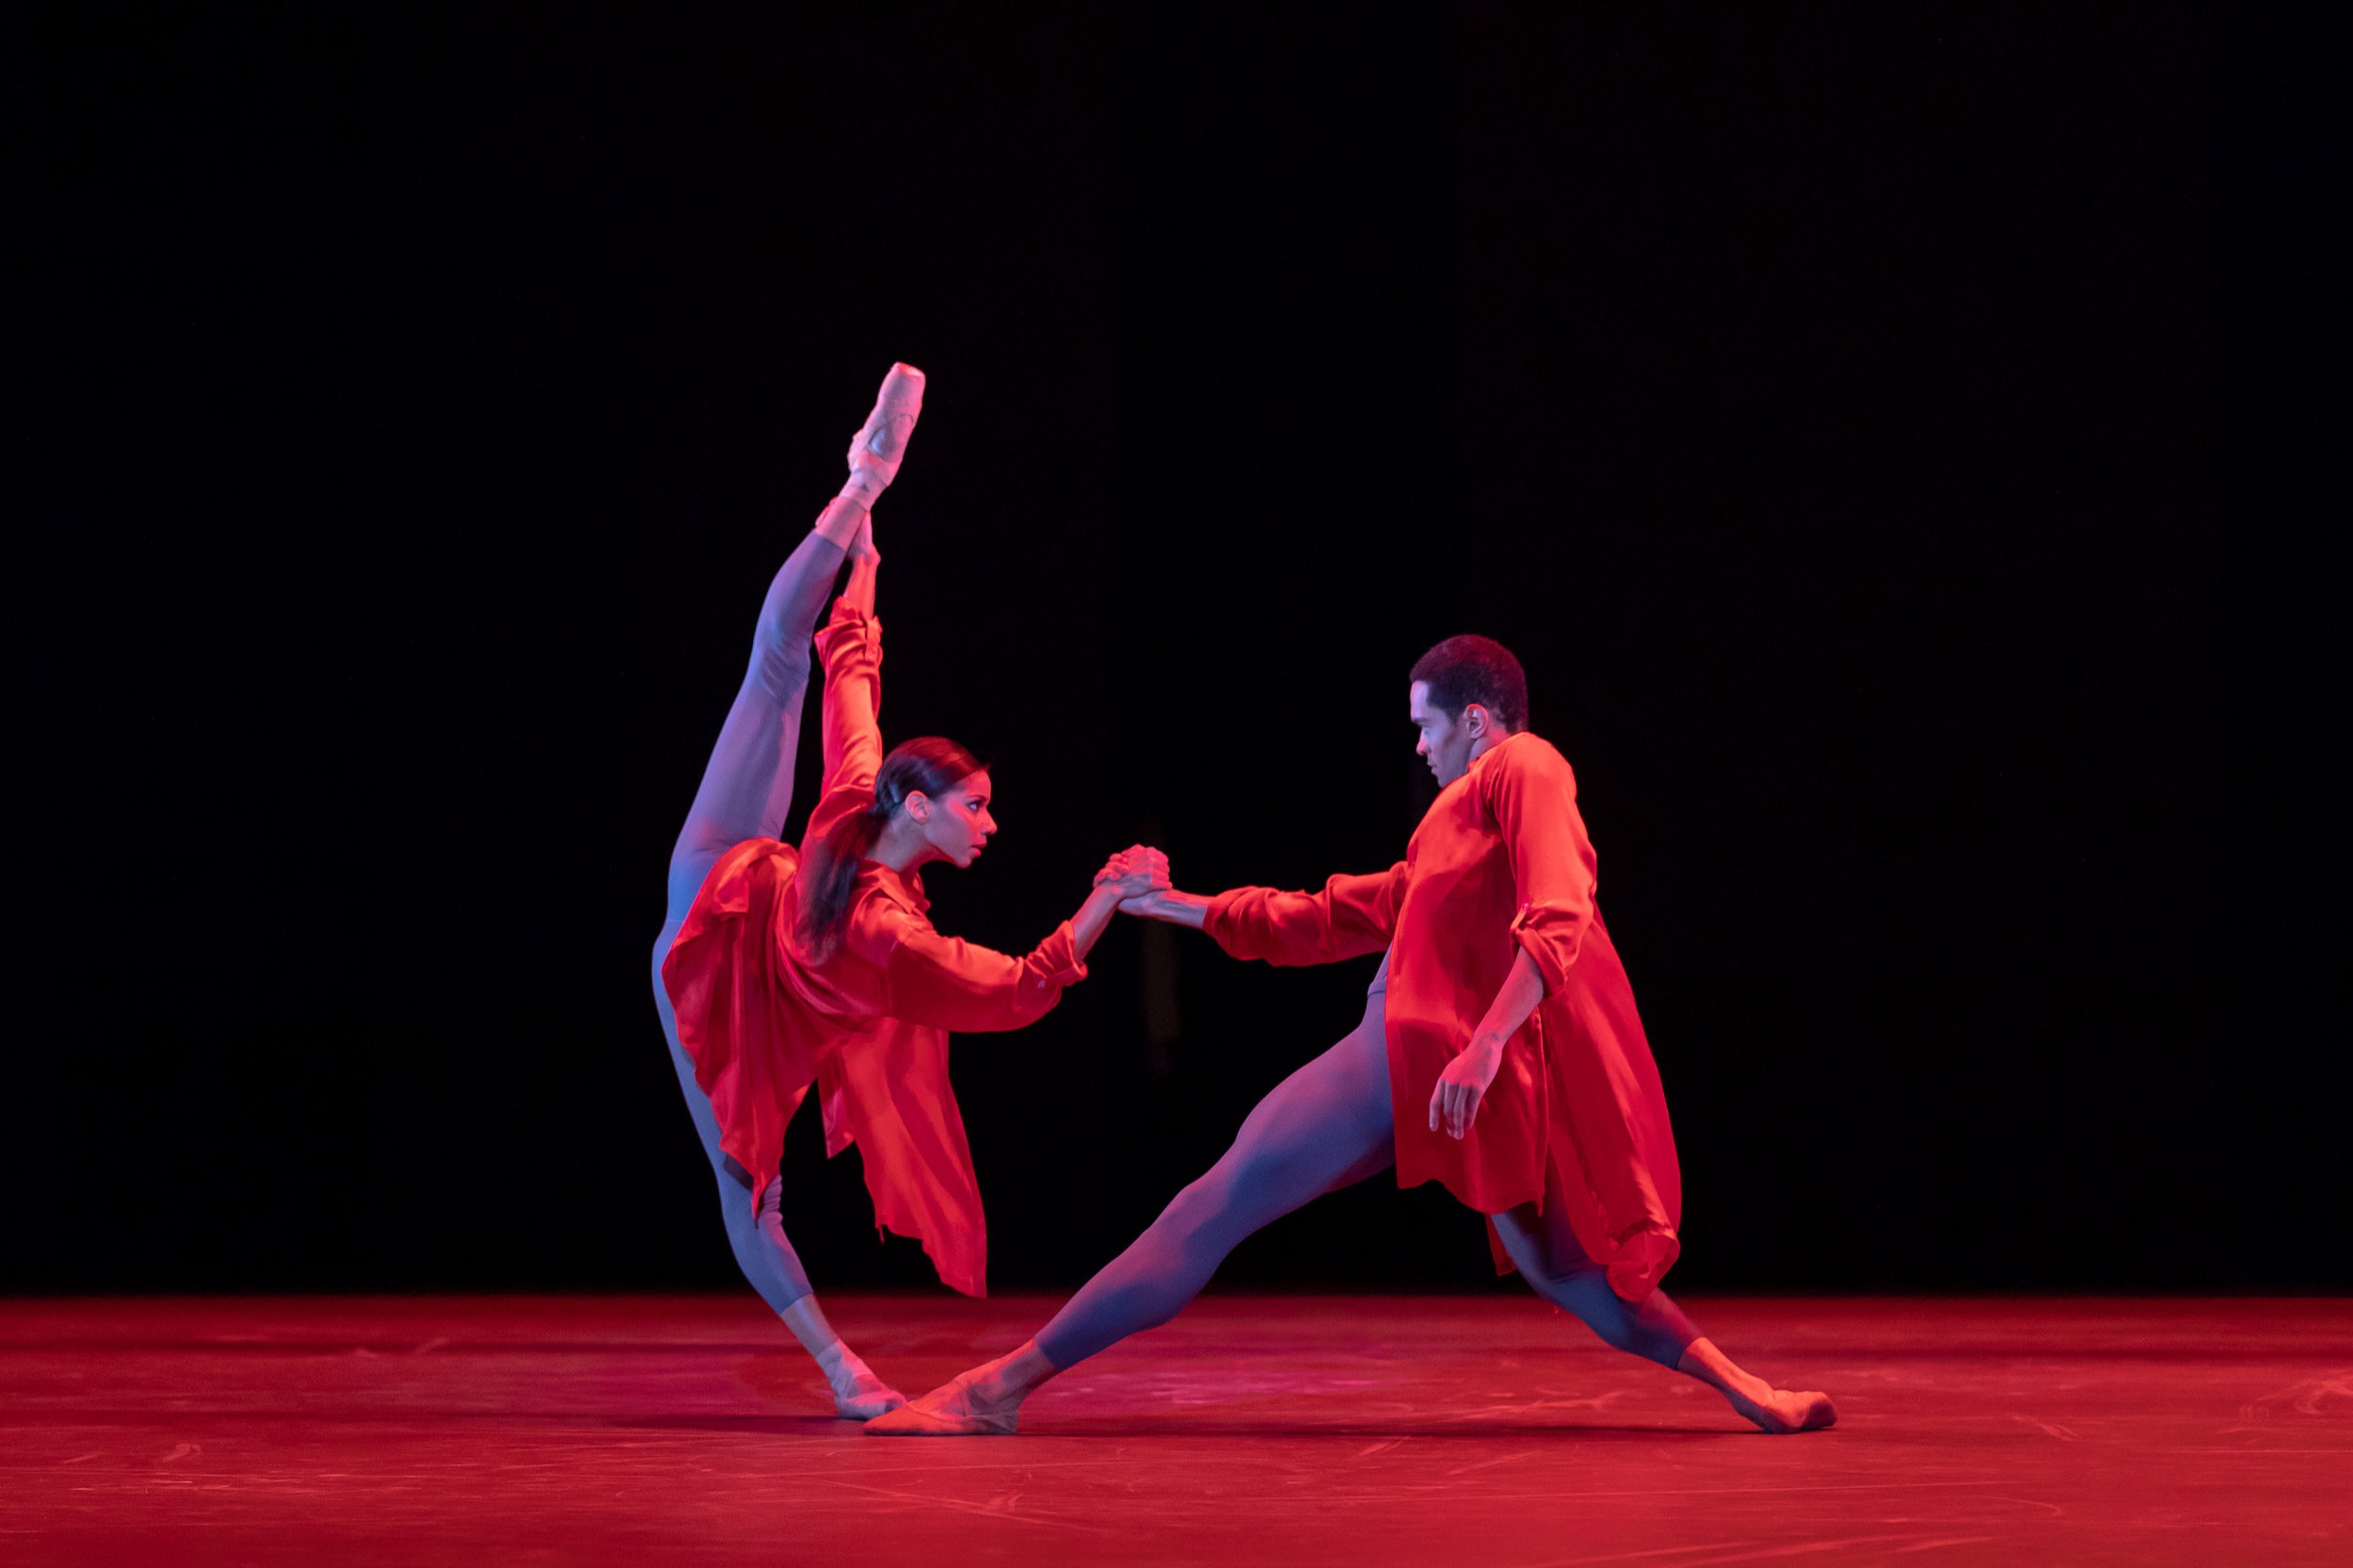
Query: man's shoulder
x=1527, y=754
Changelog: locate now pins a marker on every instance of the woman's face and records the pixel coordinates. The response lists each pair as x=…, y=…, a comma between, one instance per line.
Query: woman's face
x=956, y=825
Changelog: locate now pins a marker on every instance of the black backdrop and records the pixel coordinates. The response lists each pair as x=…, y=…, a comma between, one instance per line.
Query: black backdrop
x=1849, y=414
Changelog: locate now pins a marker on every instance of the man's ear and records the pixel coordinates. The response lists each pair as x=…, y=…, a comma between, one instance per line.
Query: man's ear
x=1474, y=720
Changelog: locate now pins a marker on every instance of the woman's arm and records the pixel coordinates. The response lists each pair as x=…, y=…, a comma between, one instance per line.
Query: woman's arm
x=850, y=648
x=953, y=984
x=864, y=561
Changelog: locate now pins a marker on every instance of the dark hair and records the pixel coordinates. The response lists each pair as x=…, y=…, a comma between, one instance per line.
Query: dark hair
x=1467, y=670
x=931, y=763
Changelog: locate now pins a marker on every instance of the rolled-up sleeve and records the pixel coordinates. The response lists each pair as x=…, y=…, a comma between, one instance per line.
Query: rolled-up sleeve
x=950, y=983
x=850, y=648
x=1532, y=793
x=1352, y=917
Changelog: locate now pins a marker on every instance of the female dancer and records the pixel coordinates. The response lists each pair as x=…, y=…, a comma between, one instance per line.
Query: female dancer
x=777, y=968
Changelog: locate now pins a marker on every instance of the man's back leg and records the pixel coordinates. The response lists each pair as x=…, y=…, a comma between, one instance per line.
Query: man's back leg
x=1546, y=1251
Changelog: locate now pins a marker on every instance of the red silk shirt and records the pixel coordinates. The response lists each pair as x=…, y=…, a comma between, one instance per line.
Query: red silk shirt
x=1500, y=865
x=869, y=1025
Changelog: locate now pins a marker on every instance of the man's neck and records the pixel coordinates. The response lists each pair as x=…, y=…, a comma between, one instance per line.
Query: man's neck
x=1487, y=743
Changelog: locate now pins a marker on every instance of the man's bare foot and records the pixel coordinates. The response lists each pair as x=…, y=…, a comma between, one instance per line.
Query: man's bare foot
x=1782, y=1412
x=1776, y=1410
x=982, y=1402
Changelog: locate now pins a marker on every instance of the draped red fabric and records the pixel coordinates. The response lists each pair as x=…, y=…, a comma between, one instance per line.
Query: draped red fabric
x=763, y=1020
x=1501, y=864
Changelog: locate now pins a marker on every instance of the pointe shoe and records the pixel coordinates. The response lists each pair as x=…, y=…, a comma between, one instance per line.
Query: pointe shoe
x=945, y=1412
x=868, y=1403
x=882, y=440
x=859, y=1395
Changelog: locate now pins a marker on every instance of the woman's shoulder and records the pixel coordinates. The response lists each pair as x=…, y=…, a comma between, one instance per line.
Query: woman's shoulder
x=884, y=913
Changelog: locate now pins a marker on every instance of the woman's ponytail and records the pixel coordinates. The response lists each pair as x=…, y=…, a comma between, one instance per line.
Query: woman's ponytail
x=932, y=764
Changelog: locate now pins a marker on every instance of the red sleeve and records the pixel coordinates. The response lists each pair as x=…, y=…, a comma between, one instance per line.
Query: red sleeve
x=950, y=983
x=849, y=646
x=1532, y=794
x=1353, y=916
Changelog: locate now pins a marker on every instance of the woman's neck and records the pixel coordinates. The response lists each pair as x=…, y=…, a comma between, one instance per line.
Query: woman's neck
x=904, y=848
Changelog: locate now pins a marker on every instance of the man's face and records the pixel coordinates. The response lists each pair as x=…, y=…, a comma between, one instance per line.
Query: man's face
x=1445, y=740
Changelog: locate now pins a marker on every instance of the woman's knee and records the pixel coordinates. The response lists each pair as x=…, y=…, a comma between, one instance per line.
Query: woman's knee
x=779, y=666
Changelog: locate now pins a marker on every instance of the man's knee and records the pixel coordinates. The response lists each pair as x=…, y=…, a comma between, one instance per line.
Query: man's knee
x=1251, y=1186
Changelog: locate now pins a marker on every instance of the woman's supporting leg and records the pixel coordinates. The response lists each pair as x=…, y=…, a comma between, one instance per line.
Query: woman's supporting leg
x=1549, y=1257
x=761, y=1251
x=1326, y=1126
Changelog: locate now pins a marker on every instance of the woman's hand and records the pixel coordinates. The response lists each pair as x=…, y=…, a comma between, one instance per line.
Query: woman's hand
x=1134, y=872
x=862, y=543
x=1454, y=1102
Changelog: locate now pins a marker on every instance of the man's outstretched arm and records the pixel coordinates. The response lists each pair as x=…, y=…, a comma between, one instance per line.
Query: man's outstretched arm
x=1187, y=909
x=1353, y=916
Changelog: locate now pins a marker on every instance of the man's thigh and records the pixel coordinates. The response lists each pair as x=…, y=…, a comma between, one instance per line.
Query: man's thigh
x=1325, y=1127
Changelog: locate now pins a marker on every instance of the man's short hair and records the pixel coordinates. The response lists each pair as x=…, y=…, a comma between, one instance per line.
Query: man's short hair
x=1467, y=670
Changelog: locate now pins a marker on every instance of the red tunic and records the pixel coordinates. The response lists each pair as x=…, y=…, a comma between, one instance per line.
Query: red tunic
x=870, y=1024
x=1499, y=865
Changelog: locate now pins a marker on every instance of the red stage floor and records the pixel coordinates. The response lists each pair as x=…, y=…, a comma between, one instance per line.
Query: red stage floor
x=1296, y=1430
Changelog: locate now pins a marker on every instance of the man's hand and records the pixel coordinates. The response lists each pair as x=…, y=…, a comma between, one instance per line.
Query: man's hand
x=1184, y=909
x=1454, y=1102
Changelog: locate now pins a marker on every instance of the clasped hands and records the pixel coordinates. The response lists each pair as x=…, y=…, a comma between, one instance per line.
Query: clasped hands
x=1134, y=873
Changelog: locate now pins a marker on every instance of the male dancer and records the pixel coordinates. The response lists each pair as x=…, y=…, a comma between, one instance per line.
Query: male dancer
x=1544, y=1112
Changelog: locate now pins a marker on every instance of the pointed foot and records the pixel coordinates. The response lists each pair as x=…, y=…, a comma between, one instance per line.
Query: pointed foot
x=949, y=1411
x=1784, y=1413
